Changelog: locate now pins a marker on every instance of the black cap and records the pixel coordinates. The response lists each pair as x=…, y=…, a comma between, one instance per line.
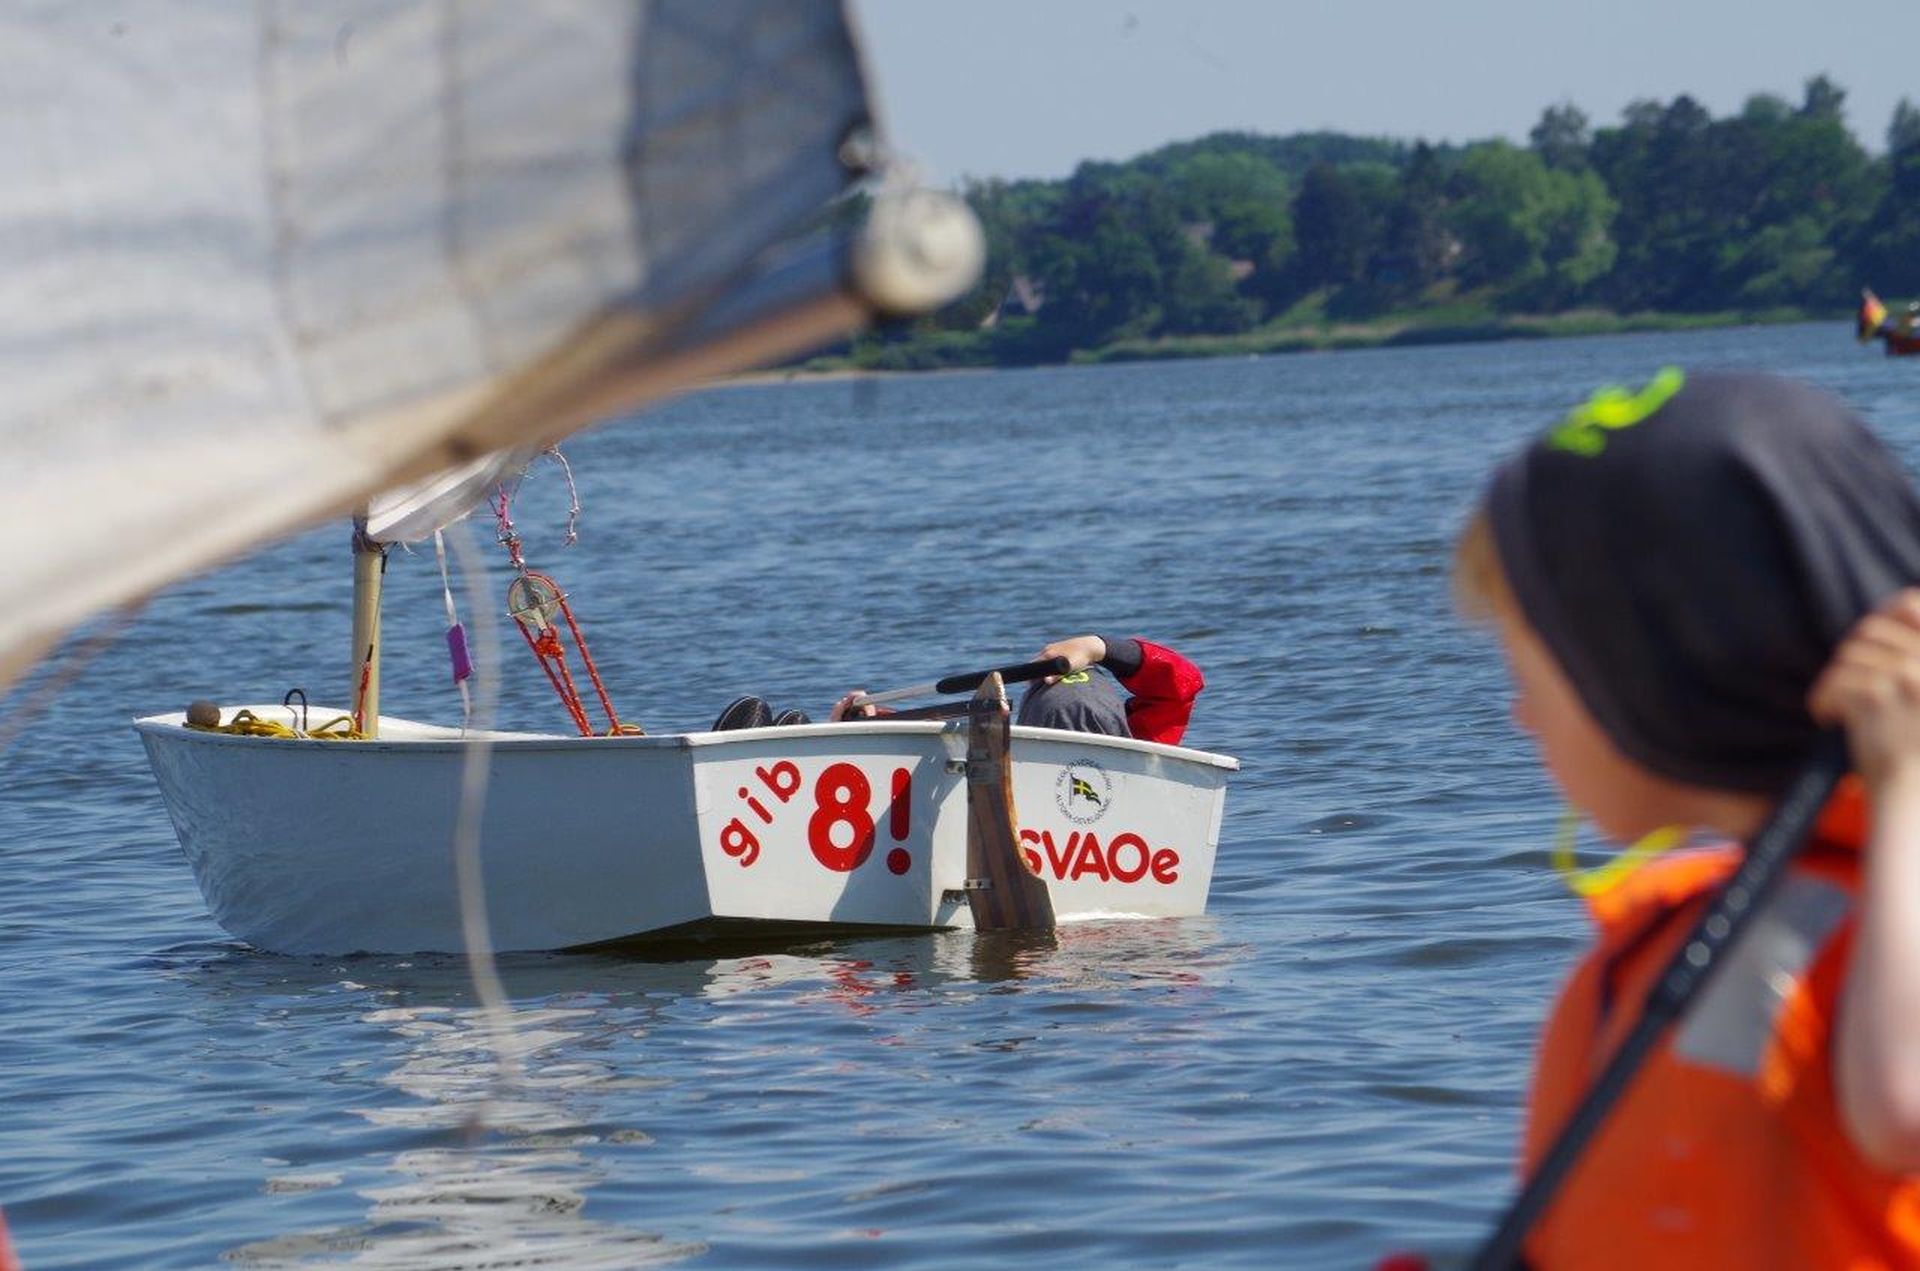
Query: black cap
x=1693, y=553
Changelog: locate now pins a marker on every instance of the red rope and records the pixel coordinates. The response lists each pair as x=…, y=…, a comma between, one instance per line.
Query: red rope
x=547, y=646
x=593, y=672
x=552, y=657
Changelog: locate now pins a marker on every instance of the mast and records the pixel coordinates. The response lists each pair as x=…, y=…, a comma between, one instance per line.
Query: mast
x=369, y=569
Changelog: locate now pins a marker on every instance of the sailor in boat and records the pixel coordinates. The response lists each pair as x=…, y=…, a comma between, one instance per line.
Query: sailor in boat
x=1161, y=687
x=1675, y=665
x=1900, y=335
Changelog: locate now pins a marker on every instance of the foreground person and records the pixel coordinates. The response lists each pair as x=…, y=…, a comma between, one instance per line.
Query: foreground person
x=1688, y=583
x=1161, y=687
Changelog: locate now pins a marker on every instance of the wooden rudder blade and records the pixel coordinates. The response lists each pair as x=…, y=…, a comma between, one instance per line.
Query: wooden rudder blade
x=1003, y=893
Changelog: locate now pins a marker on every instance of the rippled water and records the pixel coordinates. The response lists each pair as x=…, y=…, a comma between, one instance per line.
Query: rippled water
x=1326, y=1067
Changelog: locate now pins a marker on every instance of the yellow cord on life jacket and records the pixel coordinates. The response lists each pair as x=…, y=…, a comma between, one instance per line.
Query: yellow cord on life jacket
x=1604, y=878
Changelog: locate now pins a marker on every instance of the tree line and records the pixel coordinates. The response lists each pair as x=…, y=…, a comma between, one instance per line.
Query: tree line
x=1669, y=210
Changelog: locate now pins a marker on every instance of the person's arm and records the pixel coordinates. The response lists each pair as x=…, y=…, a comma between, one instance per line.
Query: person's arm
x=1872, y=686
x=1162, y=685
x=845, y=709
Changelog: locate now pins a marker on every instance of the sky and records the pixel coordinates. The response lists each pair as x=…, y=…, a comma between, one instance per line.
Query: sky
x=1029, y=88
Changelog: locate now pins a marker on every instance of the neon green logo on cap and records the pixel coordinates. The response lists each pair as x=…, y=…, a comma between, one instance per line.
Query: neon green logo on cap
x=1585, y=429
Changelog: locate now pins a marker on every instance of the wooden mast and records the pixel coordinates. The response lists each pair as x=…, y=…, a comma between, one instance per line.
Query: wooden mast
x=369, y=567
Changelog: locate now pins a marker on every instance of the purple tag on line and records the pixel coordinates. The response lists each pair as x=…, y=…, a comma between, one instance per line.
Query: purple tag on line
x=457, y=649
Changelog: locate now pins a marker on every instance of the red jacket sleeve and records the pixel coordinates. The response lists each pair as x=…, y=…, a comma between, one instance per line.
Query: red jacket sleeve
x=1162, y=691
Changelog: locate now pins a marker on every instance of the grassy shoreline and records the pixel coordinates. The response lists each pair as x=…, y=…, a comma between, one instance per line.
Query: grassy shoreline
x=956, y=350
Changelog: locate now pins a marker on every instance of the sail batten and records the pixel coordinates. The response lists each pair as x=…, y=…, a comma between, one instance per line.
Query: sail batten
x=263, y=264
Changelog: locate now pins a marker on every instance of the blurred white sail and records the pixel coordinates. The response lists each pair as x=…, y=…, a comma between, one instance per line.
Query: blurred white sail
x=411, y=513
x=261, y=262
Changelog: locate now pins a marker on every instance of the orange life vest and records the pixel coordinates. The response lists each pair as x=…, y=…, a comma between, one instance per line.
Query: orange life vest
x=1728, y=1149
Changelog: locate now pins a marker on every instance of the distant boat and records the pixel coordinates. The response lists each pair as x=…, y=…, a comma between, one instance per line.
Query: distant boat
x=1901, y=335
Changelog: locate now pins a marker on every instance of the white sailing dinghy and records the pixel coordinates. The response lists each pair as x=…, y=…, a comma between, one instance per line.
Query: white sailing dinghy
x=269, y=264
x=612, y=835
x=308, y=846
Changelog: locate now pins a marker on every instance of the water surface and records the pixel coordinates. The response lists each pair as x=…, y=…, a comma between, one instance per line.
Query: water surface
x=1327, y=1066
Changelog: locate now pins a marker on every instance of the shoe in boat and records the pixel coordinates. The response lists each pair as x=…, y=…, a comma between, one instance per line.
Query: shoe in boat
x=744, y=712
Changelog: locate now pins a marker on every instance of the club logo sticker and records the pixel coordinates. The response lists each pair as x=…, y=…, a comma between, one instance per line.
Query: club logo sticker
x=1083, y=792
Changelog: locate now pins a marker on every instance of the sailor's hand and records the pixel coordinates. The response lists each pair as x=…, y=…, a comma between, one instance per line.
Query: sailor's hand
x=1080, y=652
x=1872, y=688
x=845, y=709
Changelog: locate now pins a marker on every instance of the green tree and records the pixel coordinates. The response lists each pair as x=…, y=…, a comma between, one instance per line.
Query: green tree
x=1580, y=249
x=1204, y=181
x=1642, y=113
x=1766, y=109
x=1659, y=168
x=1783, y=264
x=1116, y=262
x=1498, y=195
x=1670, y=208
x=1201, y=298
x=1415, y=245
x=1812, y=166
x=1539, y=234
x=1794, y=205
x=1009, y=213
x=1887, y=250
x=1332, y=232
x=1823, y=99
x=1241, y=196
x=1903, y=130
x=1561, y=137
x=1095, y=259
x=1763, y=207
x=1292, y=155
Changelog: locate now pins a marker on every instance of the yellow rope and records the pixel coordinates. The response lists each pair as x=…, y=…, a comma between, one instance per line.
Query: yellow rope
x=340, y=728
x=247, y=724
x=1604, y=878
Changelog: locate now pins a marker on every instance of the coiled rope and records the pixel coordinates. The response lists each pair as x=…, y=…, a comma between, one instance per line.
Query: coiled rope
x=247, y=724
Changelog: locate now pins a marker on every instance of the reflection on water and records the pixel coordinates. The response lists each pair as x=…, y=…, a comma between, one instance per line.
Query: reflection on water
x=502, y=1177
x=509, y=1186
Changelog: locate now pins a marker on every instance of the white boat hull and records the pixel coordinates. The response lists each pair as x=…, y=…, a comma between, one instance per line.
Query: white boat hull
x=305, y=846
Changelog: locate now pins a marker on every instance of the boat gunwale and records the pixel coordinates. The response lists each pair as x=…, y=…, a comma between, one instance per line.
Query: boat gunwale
x=173, y=723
